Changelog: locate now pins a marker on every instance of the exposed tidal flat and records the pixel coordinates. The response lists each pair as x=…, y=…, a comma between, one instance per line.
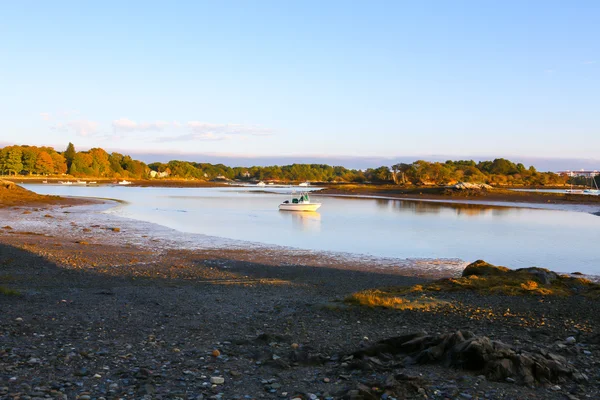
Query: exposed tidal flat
x=104, y=305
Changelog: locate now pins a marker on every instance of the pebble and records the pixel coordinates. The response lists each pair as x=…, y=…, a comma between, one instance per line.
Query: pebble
x=217, y=380
x=556, y=388
x=466, y=396
x=570, y=340
x=587, y=352
x=19, y=319
x=326, y=380
x=295, y=346
x=216, y=353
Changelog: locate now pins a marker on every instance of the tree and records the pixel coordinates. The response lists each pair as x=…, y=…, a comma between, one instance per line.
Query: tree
x=44, y=164
x=30, y=155
x=59, y=163
x=13, y=160
x=69, y=155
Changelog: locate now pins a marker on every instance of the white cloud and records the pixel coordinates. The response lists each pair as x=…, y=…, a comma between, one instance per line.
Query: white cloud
x=227, y=129
x=46, y=116
x=589, y=62
x=81, y=127
x=127, y=125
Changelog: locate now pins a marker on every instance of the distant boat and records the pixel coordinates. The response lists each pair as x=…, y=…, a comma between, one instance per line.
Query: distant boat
x=261, y=184
x=91, y=183
x=591, y=190
x=80, y=183
x=124, y=182
x=66, y=183
x=304, y=184
x=302, y=203
x=44, y=181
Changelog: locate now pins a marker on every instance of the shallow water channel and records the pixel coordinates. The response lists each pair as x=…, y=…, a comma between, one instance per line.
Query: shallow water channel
x=565, y=241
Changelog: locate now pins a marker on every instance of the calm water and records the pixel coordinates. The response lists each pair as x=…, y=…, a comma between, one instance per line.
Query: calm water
x=515, y=237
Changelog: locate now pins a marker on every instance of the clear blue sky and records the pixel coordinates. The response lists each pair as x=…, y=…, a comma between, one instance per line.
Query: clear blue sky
x=335, y=78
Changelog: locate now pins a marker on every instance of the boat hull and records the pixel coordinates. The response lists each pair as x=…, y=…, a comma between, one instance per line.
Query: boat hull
x=299, y=206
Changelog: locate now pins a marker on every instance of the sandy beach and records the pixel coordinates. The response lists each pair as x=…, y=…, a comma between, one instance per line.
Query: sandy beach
x=105, y=310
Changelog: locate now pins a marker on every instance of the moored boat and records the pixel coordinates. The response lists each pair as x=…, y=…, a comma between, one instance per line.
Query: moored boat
x=302, y=203
x=124, y=182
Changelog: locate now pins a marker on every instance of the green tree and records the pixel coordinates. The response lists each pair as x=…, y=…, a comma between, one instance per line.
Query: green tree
x=30, y=155
x=13, y=161
x=69, y=155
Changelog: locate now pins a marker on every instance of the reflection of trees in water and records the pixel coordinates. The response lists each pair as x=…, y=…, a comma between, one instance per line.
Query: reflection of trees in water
x=425, y=207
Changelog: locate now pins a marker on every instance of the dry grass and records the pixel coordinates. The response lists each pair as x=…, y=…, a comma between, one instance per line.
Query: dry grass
x=8, y=292
x=379, y=298
x=479, y=277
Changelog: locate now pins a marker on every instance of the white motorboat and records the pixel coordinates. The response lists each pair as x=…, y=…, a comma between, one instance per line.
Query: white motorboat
x=124, y=182
x=304, y=184
x=66, y=183
x=261, y=184
x=80, y=183
x=301, y=203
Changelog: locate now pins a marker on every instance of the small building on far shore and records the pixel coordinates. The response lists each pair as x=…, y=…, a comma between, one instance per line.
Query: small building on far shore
x=583, y=173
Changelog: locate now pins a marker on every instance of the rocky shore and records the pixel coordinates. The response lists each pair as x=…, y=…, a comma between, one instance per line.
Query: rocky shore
x=100, y=314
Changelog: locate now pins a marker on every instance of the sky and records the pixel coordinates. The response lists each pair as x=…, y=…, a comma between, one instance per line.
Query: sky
x=332, y=80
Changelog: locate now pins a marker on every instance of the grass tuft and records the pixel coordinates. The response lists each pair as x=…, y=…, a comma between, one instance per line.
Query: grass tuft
x=8, y=292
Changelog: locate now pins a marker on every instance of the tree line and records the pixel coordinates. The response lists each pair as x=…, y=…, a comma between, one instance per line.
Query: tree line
x=97, y=163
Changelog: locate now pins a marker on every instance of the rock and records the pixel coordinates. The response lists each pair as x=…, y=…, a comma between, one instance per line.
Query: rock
x=216, y=353
x=570, y=340
x=496, y=360
x=482, y=268
x=543, y=275
x=217, y=380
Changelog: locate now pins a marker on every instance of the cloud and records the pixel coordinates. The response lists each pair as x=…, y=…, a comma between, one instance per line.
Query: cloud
x=46, y=116
x=127, y=125
x=589, y=62
x=81, y=127
x=227, y=129
x=205, y=131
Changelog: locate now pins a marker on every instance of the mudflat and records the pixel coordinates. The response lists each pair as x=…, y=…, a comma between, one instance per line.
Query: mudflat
x=91, y=312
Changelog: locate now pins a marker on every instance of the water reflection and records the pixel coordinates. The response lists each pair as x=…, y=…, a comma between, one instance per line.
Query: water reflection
x=309, y=221
x=424, y=207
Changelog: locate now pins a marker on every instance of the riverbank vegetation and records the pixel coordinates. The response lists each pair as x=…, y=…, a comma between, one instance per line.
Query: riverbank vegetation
x=97, y=163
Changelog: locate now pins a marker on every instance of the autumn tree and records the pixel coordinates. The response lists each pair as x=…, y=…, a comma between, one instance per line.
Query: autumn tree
x=44, y=164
